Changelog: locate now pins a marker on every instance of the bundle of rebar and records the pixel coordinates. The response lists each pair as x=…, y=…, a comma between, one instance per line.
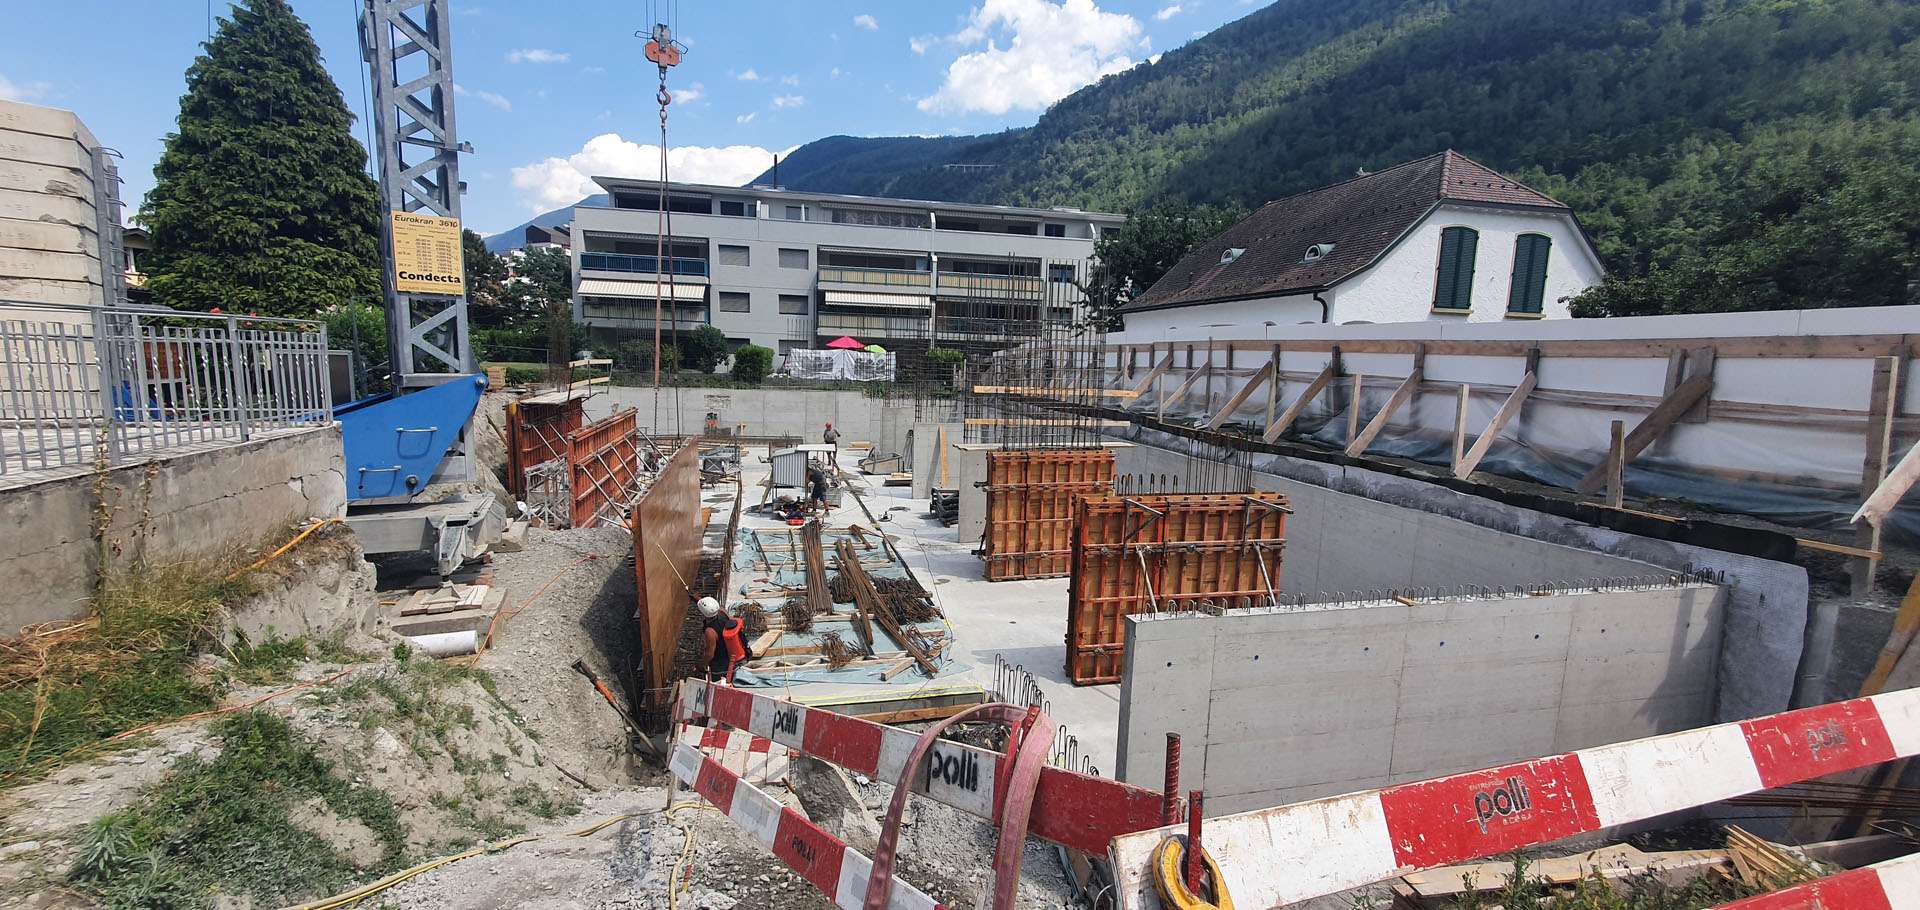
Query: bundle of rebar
x=753, y=618
x=798, y=614
x=836, y=649
x=819, y=600
x=909, y=601
x=867, y=602
x=1836, y=797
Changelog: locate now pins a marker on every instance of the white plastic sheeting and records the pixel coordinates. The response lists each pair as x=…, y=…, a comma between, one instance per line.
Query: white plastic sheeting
x=860, y=366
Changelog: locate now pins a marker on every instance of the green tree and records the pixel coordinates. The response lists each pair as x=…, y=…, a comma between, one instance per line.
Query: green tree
x=261, y=202
x=542, y=284
x=752, y=363
x=703, y=348
x=488, y=304
x=362, y=329
x=1128, y=261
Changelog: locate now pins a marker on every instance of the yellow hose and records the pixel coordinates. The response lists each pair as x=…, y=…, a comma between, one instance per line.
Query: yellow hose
x=297, y=538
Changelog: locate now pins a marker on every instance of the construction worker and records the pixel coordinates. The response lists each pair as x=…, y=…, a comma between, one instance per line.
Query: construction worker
x=817, y=487
x=726, y=641
x=832, y=437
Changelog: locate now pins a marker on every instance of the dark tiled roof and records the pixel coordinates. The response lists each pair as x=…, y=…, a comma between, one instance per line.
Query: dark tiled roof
x=1361, y=217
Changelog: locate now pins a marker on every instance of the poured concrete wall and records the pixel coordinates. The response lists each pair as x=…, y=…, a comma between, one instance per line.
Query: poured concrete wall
x=1281, y=706
x=197, y=503
x=1336, y=541
x=779, y=412
x=927, y=443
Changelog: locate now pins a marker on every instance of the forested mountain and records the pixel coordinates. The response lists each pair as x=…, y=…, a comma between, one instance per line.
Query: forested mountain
x=1725, y=154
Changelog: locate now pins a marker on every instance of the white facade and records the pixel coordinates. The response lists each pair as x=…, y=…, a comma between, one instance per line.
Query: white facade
x=1399, y=286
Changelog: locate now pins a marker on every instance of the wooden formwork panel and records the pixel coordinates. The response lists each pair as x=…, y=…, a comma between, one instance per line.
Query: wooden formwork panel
x=666, y=555
x=537, y=433
x=603, y=459
x=1030, y=501
x=1162, y=553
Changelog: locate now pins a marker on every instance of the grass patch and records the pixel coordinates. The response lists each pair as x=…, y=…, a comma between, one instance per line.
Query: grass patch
x=130, y=663
x=227, y=826
x=1523, y=891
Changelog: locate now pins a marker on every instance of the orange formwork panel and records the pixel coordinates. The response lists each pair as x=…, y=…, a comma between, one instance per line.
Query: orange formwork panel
x=1030, y=501
x=603, y=461
x=536, y=433
x=1161, y=553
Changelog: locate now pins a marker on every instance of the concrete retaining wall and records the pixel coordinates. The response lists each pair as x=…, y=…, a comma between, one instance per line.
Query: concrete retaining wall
x=1281, y=706
x=780, y=412
x=182, y=506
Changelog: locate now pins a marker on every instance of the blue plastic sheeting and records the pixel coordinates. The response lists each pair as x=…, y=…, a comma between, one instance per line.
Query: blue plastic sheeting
x=394, y=443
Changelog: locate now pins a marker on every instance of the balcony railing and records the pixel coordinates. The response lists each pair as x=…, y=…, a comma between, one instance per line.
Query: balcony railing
x=899, y=278
x=640, y=314
x=969, y=285
x=889, y=326
x=982, y=326
x=623, y=262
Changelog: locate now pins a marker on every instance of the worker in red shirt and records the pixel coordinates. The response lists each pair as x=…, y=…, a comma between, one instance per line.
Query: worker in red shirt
x=726, y=641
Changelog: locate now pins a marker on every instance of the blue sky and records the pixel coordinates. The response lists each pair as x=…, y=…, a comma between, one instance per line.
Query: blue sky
x=554, y=92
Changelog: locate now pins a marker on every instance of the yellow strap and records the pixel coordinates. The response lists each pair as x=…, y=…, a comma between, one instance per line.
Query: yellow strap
x=1170, y=881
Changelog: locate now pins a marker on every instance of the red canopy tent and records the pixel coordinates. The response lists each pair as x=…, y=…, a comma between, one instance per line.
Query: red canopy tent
x=845, y=343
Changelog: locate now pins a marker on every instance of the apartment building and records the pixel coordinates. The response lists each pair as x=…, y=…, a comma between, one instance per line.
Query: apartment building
x=785, y=269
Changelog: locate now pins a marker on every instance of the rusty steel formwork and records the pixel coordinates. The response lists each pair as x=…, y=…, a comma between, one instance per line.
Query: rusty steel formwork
x=537, y=433
x=603, y=461
x=666, y=530
x=1030, y=503
x=1161, y=553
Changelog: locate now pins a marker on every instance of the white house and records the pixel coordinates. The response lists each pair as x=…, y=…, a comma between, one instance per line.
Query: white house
x=1440, y=238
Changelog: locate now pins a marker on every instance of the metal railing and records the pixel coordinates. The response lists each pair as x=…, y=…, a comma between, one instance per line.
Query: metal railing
x=624, y=262
x=85, y=386
x=854, y=324
x=968, y=284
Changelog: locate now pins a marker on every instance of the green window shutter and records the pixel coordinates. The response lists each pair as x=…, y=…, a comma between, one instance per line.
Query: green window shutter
x=1453, y=284
x=1529, y=289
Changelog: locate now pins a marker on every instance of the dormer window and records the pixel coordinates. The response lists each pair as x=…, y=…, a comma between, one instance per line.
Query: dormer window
x=1231, y=253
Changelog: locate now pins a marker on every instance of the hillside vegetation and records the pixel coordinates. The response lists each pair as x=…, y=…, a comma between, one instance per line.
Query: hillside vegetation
x=1724, y=154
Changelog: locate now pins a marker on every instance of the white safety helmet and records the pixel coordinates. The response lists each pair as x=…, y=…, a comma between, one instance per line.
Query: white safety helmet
x=709, y=607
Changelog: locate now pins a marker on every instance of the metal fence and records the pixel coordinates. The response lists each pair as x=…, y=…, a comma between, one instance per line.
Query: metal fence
x=86, y=386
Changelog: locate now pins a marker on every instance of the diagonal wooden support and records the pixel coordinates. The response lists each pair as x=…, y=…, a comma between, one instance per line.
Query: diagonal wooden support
x=1292, y=413
x=1193, y=377
x=1239, y=398
x=1465, y=468
x=1379, y=421
x=1651, y=427
x=1146, y=382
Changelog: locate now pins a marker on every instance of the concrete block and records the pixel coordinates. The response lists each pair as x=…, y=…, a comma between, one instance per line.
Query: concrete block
x=54, y=238
x=52, y=122
x=41, y=290
x=24, y=206
x=32, y=177
x=72, y=267
x=48, y=150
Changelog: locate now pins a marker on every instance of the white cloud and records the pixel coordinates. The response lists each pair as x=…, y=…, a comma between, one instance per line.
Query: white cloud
x=493, y=99
x=919, y=45
x=790, y=79
x=22, y=91
x=836, y=72
x=746, y=118
x=1155, y=59
x=748, y=76
x=690, y=94
x=788, y=101
x=1051, y=49
x=1167, y=12
x=537, y=55
x=593, y=70
x=556, y=182
x=867, y=22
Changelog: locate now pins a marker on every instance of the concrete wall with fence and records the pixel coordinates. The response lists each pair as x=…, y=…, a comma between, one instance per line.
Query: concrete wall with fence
x=1278, y=706
x=804, y=413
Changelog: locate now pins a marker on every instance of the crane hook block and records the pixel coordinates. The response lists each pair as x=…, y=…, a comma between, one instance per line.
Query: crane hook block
x=1170, y=881
x=663, y=53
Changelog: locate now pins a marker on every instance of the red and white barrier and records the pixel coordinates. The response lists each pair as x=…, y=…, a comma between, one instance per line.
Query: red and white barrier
x=757, y=760
x=1075, y=810
x=1291, y=853
x=1892, y=885
x=826, y=862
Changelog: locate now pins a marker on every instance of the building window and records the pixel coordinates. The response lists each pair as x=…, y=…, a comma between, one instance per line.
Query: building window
x=736, y=302
x=796, y=213
x=1453, y=288
x=874, y=218
x=794, y=259
x=793, y=304
x=1056, y=230
x=790, y=344
x=733, y=207
x=734, y=255
x=1529, y=289
x=1060, y=273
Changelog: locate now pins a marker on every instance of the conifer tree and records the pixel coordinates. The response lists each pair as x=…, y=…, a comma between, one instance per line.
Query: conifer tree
x=261, y=202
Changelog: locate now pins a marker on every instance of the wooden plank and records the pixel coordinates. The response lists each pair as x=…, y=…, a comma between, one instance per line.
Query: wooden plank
x=913, y=715
x=1146, y=382
x=591, y=362
x=1035, y=422
x=1460, y=425
x=1354, y=402
x=1239, y=398
x=765, y=641
x=1181, y=389
x=1314, y=388
x=1617, y=464
x=1052, y=393
x=1841, y=549
x=1651, y=427
x=583, y=383
x=1508, y=408
x=1883, y=395
x=1758, y=346
x=1379, y=421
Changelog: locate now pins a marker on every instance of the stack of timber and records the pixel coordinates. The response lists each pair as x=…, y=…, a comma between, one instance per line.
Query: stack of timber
x=1165, y=553
x=1030, y=500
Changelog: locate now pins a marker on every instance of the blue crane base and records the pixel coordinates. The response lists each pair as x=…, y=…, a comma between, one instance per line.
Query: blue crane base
x=394, y=443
